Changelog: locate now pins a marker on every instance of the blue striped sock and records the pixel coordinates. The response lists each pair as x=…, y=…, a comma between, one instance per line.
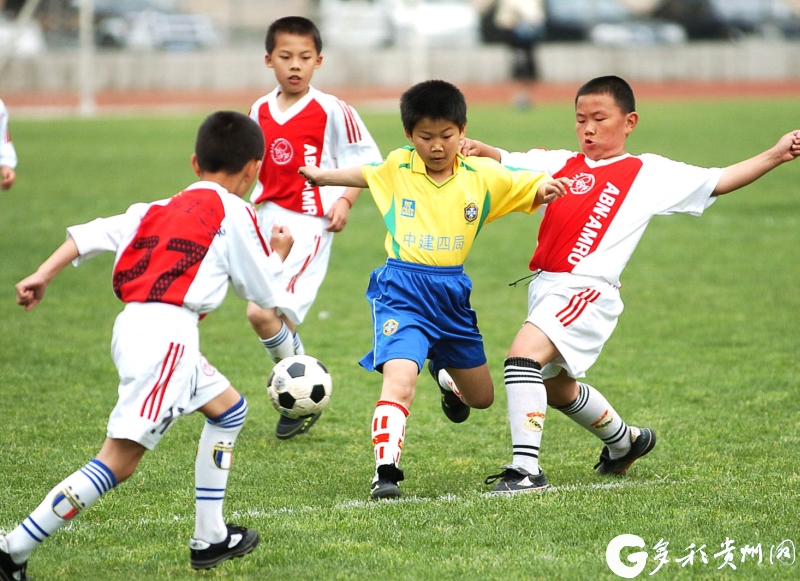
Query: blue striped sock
x=69, y=498
x=212, y=466
x=281, y=345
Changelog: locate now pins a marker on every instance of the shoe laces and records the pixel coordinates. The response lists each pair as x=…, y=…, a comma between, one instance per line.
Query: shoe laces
x=235, y=529
x=507, y=471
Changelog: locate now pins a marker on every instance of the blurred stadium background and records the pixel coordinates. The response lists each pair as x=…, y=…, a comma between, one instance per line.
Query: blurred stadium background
x=53, y=48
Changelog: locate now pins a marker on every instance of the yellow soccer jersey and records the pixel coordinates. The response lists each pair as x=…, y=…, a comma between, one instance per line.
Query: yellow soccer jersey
x=436, y=224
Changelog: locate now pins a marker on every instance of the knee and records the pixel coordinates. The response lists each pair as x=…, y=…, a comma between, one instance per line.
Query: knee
x=256, y=314
x=479, y=401
x=402, y=392
x=233, y=418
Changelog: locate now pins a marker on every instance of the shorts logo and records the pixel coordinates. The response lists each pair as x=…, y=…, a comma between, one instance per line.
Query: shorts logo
x=65, y=505
x=535, y=421
x=408, y=208
x=471, y=212
x=223, y=456
x=390, y=326
x=208, y=369
x=582, y=183
x=281, y=151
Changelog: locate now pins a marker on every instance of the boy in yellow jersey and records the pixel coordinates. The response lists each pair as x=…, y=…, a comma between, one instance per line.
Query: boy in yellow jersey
x=434, y=202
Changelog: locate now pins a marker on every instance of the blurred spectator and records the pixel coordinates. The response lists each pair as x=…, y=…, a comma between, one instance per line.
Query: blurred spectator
x=12, y=7
x=8, y=155
x=641, y=7
x=523, y=25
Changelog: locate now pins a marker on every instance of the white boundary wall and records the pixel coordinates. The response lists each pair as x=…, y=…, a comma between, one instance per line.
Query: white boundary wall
x=244, y=68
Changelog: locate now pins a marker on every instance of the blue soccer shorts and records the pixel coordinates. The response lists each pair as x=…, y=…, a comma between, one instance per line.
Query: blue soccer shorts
x=423, y=312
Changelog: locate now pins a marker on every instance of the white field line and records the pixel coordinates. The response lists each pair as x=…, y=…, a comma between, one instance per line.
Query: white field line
x=356, y=505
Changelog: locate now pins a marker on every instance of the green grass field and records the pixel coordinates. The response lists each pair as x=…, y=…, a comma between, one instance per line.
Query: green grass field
x=706, y=353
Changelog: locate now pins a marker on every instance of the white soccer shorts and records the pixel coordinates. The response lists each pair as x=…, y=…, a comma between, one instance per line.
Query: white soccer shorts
x=305, y=267
x=578, y=314
x=162, y=374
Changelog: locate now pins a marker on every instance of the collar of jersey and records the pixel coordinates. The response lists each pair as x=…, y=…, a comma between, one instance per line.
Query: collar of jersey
x=418, y=166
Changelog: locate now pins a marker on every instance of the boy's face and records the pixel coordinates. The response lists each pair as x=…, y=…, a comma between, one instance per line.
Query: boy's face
x=601, y=126
x=293, y=59
x=437, y=142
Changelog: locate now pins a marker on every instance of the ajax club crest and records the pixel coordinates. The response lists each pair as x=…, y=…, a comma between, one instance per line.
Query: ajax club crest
x=281, y=151
x=582, y=183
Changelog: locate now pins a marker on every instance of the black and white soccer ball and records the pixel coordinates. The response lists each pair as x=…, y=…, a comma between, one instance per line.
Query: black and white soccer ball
x=299, y=386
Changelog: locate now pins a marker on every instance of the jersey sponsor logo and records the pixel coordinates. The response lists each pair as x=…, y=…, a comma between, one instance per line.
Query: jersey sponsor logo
x=309, y=204
x=534, y=421
x=408, y=208
x=471, y=212
x=281, y=151
x=582, y=183
x=594, y=224
x=390, y=327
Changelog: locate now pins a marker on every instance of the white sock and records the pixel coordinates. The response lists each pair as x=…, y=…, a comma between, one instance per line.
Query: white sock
x=76, y=493
x=281, y=345
x=297, y=343
x=446, y=382
x=212, y=466
x=592, y=411
x=388, y=431
x=527, y=405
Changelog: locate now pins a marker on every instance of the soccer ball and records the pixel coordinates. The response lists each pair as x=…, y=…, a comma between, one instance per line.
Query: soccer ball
x=299, y=386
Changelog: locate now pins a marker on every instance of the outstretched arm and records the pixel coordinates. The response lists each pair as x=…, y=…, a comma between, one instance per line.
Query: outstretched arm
x=346, y=176
x=746, y=172
x=479, y=149
x=30, y=290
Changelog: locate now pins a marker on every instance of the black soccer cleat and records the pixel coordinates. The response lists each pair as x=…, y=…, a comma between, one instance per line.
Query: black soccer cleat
x=289, y=428
x=239, y=542
x=452, y=406
x=515, y=479
x=641, y=445
x=9, y=570
x=385, y=486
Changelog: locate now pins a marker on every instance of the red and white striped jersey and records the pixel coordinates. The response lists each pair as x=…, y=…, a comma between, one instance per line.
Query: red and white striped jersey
x=595, y=228
x=318, y=130
x=8, y=155
x=185, y=250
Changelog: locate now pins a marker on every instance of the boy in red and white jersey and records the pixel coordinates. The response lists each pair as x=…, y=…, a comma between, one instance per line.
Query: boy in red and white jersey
x=174, y=261
x=301, y=126
x=585, y=240
x=8, y=155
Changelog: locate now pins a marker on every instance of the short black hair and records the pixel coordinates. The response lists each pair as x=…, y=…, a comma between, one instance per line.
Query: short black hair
x=227, y=141
x=293, y=25
x=434, y=100
x=618, y=88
